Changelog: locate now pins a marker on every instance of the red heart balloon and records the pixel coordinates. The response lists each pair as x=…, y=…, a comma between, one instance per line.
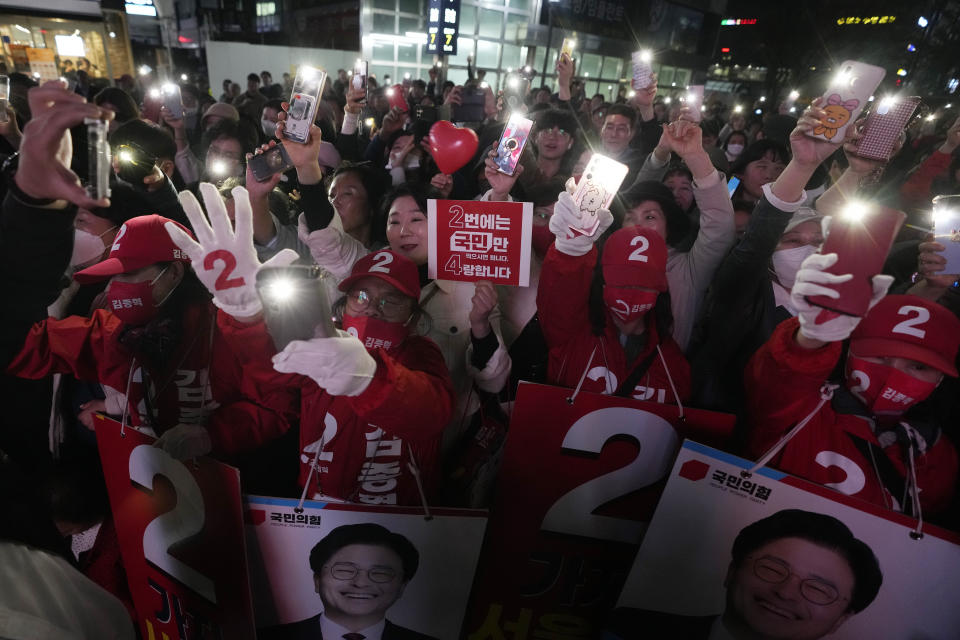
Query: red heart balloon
x=451, y=146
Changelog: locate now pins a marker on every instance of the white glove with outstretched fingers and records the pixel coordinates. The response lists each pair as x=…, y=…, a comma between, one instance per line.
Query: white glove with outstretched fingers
x=816, y=322
x=223, y=257
x=341, y=365
x=566, y=214
x=185, y=441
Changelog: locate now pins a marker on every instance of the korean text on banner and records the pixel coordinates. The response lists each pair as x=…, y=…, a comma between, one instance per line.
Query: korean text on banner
x=687, y=576
x=470, y=240
x=576, y=489
x=180, y=526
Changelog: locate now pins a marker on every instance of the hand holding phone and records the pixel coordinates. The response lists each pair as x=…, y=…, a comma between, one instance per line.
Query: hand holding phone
x=848, y=93
x=272, y=161
x=598, y=185
x=694, y=101
x=946, y=231
x=99, y=166
x=861, y=236
x=883, y=127
x=359, y=79
x=512, y=142
x=642, y=69
x=295, y=303
x=173, y=100
x=304, y=101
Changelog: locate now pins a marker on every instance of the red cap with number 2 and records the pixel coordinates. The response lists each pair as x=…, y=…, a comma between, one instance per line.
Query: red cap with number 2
x=140, y=242
x=390, y=267
x=635, y=257
x=909, y=327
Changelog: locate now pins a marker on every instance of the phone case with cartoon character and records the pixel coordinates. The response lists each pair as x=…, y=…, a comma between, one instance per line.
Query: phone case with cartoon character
x=598, y=185
x=849, y=91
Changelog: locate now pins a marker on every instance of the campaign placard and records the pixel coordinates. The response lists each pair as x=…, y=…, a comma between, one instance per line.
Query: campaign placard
x=771, y=551
x=180, y=527
x=471, y=240
x=430, y=599
x=577, y=486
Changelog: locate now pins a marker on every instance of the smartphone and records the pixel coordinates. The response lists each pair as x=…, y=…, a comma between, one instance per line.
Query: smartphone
x=695, y=101
x=133, y=164
x=849, y=91
x=172, y=100
x=304, y=101
x=861, y=236
x=513, y=90
x=512, y=142
x=425, y=114
x=152, y=102
x=598, y=185
x=946, y=230
x=883, y=126
x=295, y=304
x=396, y=96
x=359, y=79
x=471, y=108
x=642, y=69
x=732, y=185
x=4, y=96
x=569, y=44
x=99, y=166
x=272, y=161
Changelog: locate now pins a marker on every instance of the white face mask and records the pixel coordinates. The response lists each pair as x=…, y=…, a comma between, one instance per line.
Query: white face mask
x=786, y=263
x=87, y=247
x=269, y=127
x=734, y=149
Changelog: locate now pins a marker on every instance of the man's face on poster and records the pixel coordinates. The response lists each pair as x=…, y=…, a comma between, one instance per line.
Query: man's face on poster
x=791, y=589
x=360, y=580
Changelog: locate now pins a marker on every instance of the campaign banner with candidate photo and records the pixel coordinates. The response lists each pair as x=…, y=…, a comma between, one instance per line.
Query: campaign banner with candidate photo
x=359, y=566
x=774, y=552
x=180, y=528
x=471, y=240
x=577, y=486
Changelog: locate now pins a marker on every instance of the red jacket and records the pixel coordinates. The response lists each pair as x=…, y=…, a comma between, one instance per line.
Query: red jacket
x=782, y=382
x=238, y=417
x=915, y=192
x=563, y=300
x=365, y=441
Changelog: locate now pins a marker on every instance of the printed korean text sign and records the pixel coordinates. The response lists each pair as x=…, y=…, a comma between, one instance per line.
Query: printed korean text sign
x=576, y=489
x=470, y=240
x=686, y=577
x=432, y=601
x=180, y=526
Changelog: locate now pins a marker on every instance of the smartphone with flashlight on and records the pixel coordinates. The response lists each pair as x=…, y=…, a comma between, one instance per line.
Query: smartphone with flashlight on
x=272, y=161
x=304, y=101
x=861, y=236
x=173, y=100
x=4, y=96
x=359, y=79
x=566, y=49
x=849, y=91
x=598, y=185
x=883, y=126
x=99, y=165
x=642, y=69
x=512, y=142
x=396, y=98
x=694, y=101
x=133, y=164
x=295, y=303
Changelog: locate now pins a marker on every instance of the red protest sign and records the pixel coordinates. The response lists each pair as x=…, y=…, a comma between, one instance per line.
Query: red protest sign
x=180, y=526
x=470, y=240
x=575, y=495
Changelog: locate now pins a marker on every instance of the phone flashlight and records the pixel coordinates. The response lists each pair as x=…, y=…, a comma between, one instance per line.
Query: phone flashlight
x=390, y=92
x=280, y=290
x=218, y=168
x=794, y=94
x=369, y=122
x=183, y=77
x=646, y=55
x=169, y=88
x=154, y=93
x=125, y=155
x=855, y=211
x=738, y=109
x=513, y=82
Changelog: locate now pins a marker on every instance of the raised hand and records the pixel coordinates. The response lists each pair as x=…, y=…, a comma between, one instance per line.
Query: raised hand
x=809, y=151
x=224, y=258
x=566, y=214
x=303, y=156
x=483, y=302
x=500, y=183
x=443, y=184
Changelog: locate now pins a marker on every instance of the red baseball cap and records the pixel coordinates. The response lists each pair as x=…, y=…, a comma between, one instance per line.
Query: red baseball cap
x=635, y=256
x=909, y=327
x=140, y=242
x=390, y=267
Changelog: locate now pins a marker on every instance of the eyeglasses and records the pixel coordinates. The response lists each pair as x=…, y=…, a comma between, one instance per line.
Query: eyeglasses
x=348, y=571
x=557, y=131
x=776, y=571
x=388, y=305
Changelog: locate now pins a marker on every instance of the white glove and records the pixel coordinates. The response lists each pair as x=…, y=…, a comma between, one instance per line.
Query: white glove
x=340, y=365
x=185, y=441
x=566, y=214
x=223, y=258
x=810, y=281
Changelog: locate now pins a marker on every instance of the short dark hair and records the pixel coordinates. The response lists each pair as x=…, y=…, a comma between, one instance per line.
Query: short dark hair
x=413, y=189
x=678, y=224
x=678, y=170
x=252, y=77
x=420, y=83
x=550, y=118
x=375, y=182
x=150, y=137
x=824, y=531
x=623, y=110
x=275, y=104
x=365, y=533
x=757, y=151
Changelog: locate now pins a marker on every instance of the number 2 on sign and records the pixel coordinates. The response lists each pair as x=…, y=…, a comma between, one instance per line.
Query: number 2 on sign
x=224, y=281
x=172, y=527
x=573, y=512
